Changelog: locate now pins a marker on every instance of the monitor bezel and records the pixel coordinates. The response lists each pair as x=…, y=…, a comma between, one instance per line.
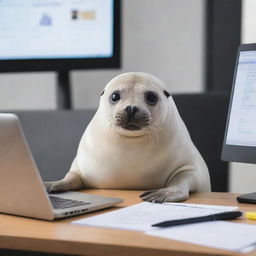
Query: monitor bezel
x=238, y=153
x=67, y=64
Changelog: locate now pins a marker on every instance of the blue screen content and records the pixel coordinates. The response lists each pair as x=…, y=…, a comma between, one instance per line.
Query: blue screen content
x=48, y=29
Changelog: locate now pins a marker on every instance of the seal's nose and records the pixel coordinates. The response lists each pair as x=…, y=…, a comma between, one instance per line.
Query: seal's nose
x=131, y=110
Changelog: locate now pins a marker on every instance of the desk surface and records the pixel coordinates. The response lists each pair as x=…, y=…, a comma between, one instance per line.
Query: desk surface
x=18, y=233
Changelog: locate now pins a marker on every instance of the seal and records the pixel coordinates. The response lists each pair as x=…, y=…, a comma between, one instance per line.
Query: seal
x=137, y=140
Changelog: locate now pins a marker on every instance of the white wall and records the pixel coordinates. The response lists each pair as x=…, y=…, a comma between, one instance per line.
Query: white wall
x=27, y=91
x=243, y=176
x=163, y=37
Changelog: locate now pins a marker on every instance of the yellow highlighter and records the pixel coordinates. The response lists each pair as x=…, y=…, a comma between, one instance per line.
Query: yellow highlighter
x=250, y=215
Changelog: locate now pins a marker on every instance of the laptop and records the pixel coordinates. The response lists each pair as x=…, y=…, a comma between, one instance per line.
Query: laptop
x=22, y=191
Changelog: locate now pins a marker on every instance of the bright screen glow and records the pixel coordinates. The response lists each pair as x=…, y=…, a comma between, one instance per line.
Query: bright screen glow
x=36, y=29
x=242, y=121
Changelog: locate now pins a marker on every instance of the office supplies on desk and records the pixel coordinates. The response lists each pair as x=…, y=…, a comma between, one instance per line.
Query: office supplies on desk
x=212, y=217
x=218, y=234
x=250, y=215
x=141, y=216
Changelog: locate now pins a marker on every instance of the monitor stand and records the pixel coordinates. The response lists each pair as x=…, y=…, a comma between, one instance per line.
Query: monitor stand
x=63, y=90
x=247, y=198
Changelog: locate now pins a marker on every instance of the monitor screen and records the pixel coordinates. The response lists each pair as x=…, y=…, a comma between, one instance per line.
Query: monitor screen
x=240, y=139
x=35, y=31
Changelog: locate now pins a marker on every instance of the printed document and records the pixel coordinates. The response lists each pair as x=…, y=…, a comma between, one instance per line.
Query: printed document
x=219, y=234
x=140, y=217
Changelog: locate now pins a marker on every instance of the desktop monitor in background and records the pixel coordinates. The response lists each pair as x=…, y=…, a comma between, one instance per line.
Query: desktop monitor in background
x=57, y=35
x=240, y=136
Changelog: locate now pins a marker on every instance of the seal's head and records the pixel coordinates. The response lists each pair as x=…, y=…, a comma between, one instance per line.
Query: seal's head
x=132, y=102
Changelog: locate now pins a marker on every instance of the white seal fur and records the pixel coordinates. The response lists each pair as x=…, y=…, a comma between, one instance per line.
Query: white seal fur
x=137, y=140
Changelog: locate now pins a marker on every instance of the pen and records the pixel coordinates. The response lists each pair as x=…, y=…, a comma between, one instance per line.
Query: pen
x=217, y=216
x=250, y=215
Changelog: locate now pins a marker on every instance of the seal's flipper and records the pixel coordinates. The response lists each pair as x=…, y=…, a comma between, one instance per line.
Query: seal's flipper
x=72, y=181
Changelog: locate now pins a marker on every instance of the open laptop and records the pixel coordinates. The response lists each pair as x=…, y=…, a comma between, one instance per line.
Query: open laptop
x=22, y=191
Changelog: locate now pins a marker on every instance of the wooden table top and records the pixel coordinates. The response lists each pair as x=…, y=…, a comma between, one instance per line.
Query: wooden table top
x=60, y=236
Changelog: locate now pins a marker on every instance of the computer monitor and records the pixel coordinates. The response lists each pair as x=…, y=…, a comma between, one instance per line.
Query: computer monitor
x=56, y=35
x=240, y=135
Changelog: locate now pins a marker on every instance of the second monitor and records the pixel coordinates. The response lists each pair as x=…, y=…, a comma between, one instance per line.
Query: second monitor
x=240, y=136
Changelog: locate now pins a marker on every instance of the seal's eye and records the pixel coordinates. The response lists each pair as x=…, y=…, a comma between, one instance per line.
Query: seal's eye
x=115, y=96
x=151, y=98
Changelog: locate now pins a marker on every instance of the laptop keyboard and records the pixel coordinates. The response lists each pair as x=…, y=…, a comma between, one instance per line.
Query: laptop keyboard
x=62, y=203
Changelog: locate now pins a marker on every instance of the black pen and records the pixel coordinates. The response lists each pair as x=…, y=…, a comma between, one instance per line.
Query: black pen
x=217, y=216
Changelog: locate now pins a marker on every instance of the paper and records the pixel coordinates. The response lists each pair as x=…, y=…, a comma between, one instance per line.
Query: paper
x=219, y=234
x=141, y=216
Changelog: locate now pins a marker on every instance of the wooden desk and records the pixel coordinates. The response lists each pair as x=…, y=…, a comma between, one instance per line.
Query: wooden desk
x=60, y=236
